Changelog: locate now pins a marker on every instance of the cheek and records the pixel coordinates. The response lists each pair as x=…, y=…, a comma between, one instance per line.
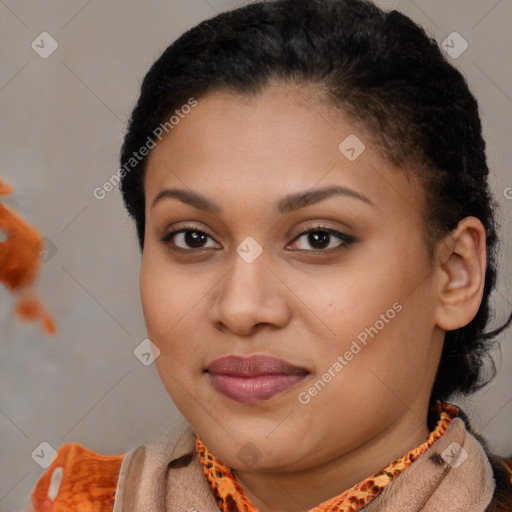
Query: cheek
x=167, y=296
x=375, y=371
x=155, y=297
x=172, y=304
x=377, y=312
x=167, y=323
x=354, y=297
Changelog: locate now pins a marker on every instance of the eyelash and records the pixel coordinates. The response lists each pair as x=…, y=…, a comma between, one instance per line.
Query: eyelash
x=346, y=240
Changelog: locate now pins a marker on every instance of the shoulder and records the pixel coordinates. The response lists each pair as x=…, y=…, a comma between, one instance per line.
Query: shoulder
x=78, y=479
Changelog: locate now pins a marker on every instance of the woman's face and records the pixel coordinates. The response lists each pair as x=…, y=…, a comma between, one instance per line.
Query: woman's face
x=348, y=309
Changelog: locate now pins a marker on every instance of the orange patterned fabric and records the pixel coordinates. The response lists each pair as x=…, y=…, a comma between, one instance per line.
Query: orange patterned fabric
x=231, y=497
x=78, y=480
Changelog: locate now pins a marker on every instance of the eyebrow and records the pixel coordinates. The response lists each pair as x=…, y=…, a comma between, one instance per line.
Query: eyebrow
x=289, y=203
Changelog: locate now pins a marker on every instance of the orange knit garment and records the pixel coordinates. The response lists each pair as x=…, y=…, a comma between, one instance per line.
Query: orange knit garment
x=87, y=481
x=231, y=497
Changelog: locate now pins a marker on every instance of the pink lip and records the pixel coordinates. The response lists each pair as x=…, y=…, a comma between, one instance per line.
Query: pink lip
x=253, y=379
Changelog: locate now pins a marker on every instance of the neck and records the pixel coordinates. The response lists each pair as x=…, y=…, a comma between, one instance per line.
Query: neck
x=304, y=490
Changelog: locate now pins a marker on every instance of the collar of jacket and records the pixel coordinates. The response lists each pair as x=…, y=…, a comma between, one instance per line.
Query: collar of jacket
x=453, y=475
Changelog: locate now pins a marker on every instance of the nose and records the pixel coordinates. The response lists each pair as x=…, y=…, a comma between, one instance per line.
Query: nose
x=250, y=297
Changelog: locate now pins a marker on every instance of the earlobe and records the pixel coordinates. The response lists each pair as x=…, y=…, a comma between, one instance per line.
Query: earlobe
x=461, y=266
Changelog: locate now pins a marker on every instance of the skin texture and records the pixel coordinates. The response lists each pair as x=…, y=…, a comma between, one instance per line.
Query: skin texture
x=246, y=154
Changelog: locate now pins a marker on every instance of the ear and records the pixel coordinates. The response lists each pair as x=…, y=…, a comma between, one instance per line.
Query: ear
x=461, y=266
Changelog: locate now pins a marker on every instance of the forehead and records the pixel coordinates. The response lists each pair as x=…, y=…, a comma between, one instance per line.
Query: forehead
x=276, y=142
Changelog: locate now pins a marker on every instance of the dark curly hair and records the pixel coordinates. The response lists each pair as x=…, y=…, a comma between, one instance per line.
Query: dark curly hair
x=386, y=74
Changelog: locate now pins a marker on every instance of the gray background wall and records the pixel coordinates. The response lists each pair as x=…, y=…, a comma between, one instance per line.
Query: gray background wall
x=61, y=126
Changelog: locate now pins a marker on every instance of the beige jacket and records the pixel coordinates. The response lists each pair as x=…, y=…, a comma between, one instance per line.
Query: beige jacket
x=453, y=475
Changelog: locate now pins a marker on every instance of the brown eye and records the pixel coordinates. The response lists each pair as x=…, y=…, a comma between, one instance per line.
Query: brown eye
x=187, y=239
x=323, y=240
